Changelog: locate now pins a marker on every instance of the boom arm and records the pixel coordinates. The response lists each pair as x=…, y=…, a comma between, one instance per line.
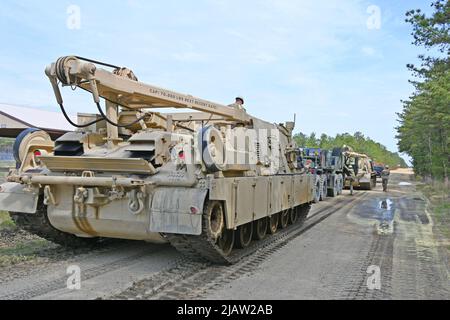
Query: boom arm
x=128, y=92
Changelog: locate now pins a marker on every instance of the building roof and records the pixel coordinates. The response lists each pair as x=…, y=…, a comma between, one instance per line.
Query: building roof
x=52, y=122
x=38, y=118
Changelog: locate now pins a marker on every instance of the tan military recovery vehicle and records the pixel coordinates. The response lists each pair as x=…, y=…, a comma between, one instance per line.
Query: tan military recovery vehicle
x=359, y=171
x=208, y=181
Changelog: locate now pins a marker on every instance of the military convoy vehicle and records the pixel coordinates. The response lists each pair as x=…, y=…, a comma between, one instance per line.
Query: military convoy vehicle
x=313, y=160
x=359, y=170
x=327, y=167
x=209, y=181
x=334, y=169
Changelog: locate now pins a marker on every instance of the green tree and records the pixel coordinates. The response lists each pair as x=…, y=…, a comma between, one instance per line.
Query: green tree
x=424, y=127
x=358, y=142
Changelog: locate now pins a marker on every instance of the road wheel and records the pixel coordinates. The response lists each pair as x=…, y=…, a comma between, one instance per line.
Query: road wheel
x=244, y=235
x=214, y=224
x=273, y=223
x=284, y=219
x=215, y=219
x=226, y=241
x=260, y=229
x=293, y=216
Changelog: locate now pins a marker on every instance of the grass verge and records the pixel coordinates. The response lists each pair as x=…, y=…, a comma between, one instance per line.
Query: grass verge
x=6, y=221
x=21, y=252
x=15, y=246
x=439, y=199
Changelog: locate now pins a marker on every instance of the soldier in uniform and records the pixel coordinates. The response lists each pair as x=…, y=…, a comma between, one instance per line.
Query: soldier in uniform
x=385, y=177
x=239, y=104
x=349, y=174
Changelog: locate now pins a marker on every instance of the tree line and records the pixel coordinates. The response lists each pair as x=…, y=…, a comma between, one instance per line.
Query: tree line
x=361, y=144
x=424, y=123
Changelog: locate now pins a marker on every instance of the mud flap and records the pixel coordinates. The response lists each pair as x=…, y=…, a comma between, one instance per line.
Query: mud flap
x=13, y=198
x=177, y=210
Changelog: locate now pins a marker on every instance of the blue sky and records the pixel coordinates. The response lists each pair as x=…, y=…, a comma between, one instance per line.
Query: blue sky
x=316, y=59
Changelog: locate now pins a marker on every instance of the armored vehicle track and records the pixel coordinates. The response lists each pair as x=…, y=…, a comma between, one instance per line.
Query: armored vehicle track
x=205, y=247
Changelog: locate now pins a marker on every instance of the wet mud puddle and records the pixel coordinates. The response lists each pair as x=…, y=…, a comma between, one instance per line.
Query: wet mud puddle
x=382, y=210
x=386, y=213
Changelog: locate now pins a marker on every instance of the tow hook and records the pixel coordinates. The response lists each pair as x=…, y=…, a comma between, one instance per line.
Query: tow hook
x=80, y=195
x=79, y=199
x=136, y=203
x=49, y=198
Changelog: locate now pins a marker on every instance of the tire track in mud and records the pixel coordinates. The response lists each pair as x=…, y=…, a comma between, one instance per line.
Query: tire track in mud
x=425, y=273
x=42, y=287
x=380, y=254
x=408, y=258
x=195, y=279
x=54, y=255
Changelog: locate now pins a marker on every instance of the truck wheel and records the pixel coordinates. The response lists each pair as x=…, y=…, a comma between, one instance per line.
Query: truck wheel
x=324, y=191
x=317, y=190
x=338, y=181
x=366, y=186
x=333, y=192
x=341, y=184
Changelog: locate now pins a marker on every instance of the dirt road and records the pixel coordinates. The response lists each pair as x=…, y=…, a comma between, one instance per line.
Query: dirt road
x=386, y=239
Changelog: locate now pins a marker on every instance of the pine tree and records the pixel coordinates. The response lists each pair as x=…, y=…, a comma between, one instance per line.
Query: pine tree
x=358, y=142
x=424, y=127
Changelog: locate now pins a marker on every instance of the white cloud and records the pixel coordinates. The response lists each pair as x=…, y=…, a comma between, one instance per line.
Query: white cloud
x=371, y=52
x=262, y=58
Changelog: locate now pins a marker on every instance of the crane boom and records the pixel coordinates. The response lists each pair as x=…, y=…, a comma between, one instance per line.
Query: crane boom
x=123, y=89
